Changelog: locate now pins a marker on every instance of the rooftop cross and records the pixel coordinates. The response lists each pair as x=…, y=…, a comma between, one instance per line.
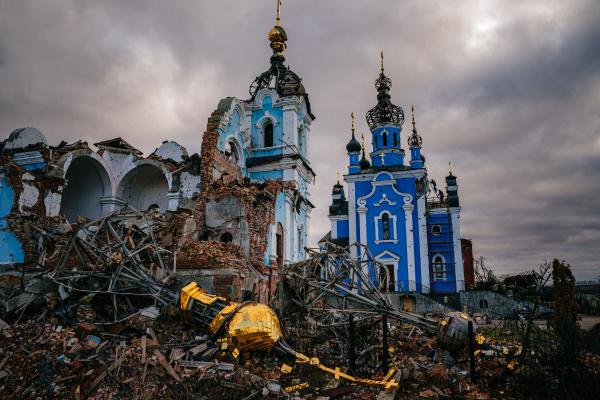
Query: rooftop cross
x=382, y=155
x=278, y=18
x=382, y=61
x=352, y=116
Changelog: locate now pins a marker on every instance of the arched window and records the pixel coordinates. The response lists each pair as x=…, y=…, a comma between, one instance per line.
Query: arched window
x=384, y=136
x=232, y=153
x=385, y=227
x=395, y=139
x=268, y=131
x=226, y=237
x=279, y=244
x=438, y=268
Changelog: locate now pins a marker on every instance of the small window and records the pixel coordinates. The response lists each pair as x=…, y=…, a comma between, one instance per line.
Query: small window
x=226, y=237
x=395, y=139
x=436, y=230
x=438, y=268
x=483, y=303
x=268, y=135
x=384, y=136
x=385, y=227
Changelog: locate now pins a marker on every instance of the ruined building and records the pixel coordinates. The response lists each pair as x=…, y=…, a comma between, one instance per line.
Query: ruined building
x=394, y=210
x=237, y=211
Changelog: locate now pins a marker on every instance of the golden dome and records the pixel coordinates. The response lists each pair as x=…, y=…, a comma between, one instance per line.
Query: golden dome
x=277, y=37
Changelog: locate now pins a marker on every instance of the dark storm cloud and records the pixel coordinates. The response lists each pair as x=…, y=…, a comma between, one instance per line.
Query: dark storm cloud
x=508, y=91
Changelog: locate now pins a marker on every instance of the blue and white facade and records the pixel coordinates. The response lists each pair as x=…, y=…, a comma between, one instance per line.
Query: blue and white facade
x=395, y=212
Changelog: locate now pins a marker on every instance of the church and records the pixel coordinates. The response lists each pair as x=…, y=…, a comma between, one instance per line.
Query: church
x=393, y=212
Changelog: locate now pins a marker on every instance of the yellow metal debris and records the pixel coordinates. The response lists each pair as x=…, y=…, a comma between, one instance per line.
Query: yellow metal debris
x=294, y=388
x=286, y=369
x=254, y=327
x=193, y=291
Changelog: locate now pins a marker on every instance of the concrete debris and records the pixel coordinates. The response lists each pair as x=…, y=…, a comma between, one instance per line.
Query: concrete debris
x=102, y=316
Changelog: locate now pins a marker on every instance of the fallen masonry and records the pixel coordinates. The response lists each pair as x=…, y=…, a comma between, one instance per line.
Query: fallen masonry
x=108, y=318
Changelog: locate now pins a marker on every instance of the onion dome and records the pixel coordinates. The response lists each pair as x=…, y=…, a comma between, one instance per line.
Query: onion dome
x=414, y=140
x=364, y=163
x=353, y=146
x=279, y=77
x=384, y=111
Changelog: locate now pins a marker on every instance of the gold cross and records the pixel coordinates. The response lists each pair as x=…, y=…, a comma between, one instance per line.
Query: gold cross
x=278, y=18
x=352, y=116
x=382, y=155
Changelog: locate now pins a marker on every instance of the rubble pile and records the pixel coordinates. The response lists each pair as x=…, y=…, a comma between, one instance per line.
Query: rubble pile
x=85, y=360
x=210, y=254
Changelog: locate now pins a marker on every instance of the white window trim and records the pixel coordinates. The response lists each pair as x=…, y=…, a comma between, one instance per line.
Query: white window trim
x=435, y=274
x=388, y=258
x=392, y=218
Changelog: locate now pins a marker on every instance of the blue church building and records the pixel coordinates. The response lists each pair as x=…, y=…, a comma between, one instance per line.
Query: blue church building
x=394, y=211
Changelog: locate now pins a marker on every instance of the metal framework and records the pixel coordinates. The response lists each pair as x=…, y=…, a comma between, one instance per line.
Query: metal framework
x=330, y=284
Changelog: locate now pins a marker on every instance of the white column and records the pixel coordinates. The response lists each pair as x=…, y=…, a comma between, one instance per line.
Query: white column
x=352, y=216
x=421, y=210
x=410, y=248
x=288, y=227
x=110, y=204
x=334, y=234
x=362, y=221
x=173, y=201
x=459, y=268
x=290, y=127
x=273, y=249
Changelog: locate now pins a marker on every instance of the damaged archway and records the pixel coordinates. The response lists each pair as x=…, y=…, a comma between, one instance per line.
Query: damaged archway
x=87, y=181
x=143, y=187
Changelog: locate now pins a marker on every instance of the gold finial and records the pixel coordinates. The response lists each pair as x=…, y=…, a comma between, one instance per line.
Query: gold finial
x=338, y=175
x=382, y=61
x=362, y=137
x=352, y=116
x=413, y=116
x=450, y=167
x=278, y=18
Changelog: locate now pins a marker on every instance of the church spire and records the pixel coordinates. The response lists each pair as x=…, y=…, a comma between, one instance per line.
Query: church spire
x=278, y=37
x=353, y=146
x=278, y=17
x=364, y=163
x=414, y=140
x=279, y=76
x=384, y=111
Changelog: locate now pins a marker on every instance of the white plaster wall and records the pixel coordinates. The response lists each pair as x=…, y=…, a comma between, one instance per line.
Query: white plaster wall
x=52, y=203
x=28, y=197
x=189, y=185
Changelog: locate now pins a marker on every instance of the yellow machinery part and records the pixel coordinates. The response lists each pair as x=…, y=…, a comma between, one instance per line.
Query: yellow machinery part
x=218, y=320
x=193, y=291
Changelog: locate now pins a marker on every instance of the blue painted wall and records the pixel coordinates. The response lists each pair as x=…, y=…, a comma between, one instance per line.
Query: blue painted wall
x=11, y=251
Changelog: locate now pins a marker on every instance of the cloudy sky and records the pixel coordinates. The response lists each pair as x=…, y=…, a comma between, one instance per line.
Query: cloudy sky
x=508, y=91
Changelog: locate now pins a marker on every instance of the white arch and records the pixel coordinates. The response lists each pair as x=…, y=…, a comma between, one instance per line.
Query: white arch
x=154, y=163
x=148, y=183
x=86, y=184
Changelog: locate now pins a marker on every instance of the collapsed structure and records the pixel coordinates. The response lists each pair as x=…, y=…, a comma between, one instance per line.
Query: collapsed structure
x=247, y=191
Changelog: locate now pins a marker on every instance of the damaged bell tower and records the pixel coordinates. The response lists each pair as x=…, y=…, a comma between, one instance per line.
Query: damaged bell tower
x=255, y=170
